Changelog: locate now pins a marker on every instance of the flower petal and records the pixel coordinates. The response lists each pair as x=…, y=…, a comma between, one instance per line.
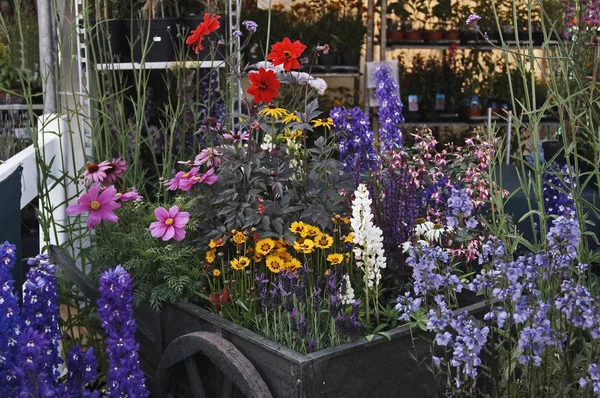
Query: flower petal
x=157, y=229
x=94, y=219
x=161, y=213
x=169, y=233
x=73, y=210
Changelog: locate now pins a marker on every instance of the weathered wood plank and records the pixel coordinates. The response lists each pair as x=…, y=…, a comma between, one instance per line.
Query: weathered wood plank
x=222, y=354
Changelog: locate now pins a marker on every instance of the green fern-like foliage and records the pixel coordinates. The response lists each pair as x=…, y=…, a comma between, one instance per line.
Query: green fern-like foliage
x=161, y=271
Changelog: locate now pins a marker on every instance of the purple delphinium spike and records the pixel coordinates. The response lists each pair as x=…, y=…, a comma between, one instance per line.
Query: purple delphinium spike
x=354, y=138
x=31, y=371
x=311, y=345
x=40, y=309
x=9, y=320
x=390, y=108
x=83, y=370
x=302, y=327
x=115, y=309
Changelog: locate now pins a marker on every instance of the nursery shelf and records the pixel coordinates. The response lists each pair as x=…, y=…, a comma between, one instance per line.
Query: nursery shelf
x=442, y=45
x=161, y=65
x=21, y=107
x=474, y=121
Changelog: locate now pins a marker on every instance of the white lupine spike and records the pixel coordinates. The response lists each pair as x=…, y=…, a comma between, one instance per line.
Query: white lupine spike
x=368, y=238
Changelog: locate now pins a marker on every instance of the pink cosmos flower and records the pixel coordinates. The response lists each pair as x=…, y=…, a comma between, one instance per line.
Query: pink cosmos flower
x=96, y=172
x=237, y=136
x=100, y=206
x=115, y=170
x=127, y=196
x=183, y=180
x=210, y=156
x=208, y=178
x=170, y=223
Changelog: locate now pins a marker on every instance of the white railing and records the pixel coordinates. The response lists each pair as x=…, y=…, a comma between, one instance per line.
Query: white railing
x=53, y=149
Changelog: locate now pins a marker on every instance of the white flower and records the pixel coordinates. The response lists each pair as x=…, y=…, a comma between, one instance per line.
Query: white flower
x=368, y=238
x=422, y=228
x=347, y=298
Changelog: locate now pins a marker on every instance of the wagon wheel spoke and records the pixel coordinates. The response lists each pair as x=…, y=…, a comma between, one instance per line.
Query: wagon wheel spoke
x=194, y=378
x=232, y=367
x=226, y=388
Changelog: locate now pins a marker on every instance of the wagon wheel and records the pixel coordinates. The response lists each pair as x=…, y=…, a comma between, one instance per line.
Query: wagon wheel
x=187, y=368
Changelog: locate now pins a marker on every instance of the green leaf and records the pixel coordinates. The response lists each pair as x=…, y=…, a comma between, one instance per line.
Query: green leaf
x=386, y=335
x=370, y=337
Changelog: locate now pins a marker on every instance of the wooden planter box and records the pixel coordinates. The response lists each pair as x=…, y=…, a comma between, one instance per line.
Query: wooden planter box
x=379, y=368
x=376, y=368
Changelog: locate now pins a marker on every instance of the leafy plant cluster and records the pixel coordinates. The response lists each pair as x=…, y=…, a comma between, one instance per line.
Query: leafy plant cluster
x=162, y=273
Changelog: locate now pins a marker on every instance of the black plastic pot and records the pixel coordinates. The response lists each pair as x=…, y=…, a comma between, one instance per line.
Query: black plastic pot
x=108, y=41
x=153, y=40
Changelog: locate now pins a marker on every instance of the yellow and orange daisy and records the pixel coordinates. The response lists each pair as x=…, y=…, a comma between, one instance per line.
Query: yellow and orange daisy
x=335, y=258
x=215, y=243
x=297, y=227
x=264, y=246
x=210, y=256
x=326, y=122
x=240, y=263
x=323, y=241
x=216, y=273
x=239, y=238
x=293, y=264
x=349, y=238
x=310, y=231
x=275, y=263
x=306, y=246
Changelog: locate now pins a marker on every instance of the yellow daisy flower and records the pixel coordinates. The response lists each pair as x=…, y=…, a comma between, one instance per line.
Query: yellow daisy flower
x=349, y=238
x=215, y=243
x=306, y=246
x=275, y=263
x=264, y=246
x=297, y=227
x=291, y=118
x=239, y=238
x=216, y=273
x=210, y=256
x=326, y=122
x=284, y=254
x=293, y=135
x=323, y=241
x=274, y=112
x=310, y=231
x=335, y=258
x=240, y=263
x=293, y=263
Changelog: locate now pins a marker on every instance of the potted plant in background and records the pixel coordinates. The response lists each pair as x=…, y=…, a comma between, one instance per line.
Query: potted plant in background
x=348, y=32
x=412, y=11
x=433, y=30
x=395, y=26
x=108, y=40
x=447, y=17
x=19, y=65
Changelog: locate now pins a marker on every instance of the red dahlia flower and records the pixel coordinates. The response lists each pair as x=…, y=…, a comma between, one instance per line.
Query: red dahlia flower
x=210, y=24
x=265, y=85
x=285, y=52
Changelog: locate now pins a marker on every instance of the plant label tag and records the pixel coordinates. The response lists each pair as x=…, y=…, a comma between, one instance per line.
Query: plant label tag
x=413, y=103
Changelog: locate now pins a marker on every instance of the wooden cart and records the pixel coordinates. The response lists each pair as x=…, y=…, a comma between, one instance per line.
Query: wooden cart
x=194, y=352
